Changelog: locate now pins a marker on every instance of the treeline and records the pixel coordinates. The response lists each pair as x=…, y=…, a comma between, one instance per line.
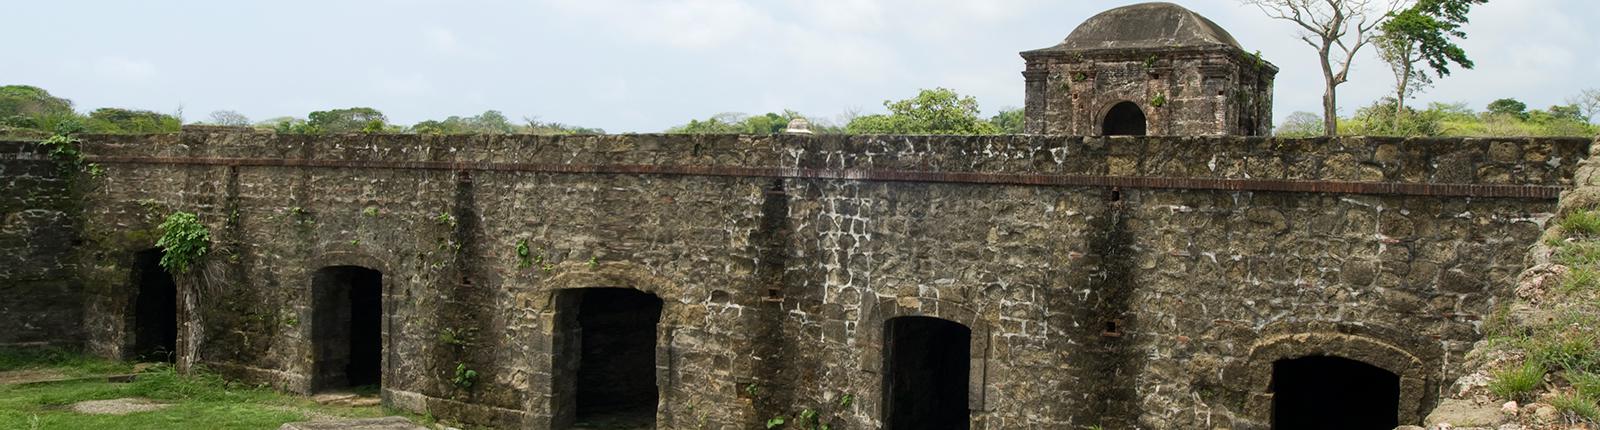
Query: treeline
x=33, y=111
x=1501, y=118
x=932, y=111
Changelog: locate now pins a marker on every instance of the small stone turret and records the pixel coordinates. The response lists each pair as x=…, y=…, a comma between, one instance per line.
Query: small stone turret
x=1150, y=68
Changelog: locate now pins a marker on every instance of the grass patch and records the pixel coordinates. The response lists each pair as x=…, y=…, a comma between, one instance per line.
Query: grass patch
x=1580, y=253
x=1582, y=223
x=1578, y=404
x=199, y=401
x=1586, y=383
x=1581, y=278
x=1517, y=382
x=67, y=362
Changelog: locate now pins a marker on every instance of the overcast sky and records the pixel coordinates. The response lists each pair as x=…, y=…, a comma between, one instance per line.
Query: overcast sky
x=643, y=66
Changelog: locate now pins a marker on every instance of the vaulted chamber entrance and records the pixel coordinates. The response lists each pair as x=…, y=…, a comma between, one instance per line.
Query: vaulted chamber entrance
x=346, y=328
x=606, y=359
x=925, y=376
x=1124, y=119
x=155, y=309
x=1329, y=393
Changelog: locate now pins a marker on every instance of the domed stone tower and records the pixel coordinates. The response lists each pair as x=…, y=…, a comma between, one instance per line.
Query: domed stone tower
x=1149, y=68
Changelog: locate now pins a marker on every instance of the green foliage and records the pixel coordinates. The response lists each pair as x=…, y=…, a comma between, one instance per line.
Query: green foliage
x=65, y=150
x=1509, y=119
x=369, y=211
x=1586, y=383
x=1428, y=28
x=935, y=111
x=1379, y=119
x=1583, y=278
x=488, y=122
x=68, y=362
x=464, y=377
x=29, y=101
x=774, y=422
x=1577, y=404
x=1582, y=223
x=458, y=337
x=1159, y=101
x=445, y=219
x=347, y=120
x=1510, y=107
x=200, y=400
x=535, y=126
x=1517, y=382
x=524, y=256
x=131, y=121
x=184, y=241
x=1010, y=121
x=1578, y=253
x=738, y=123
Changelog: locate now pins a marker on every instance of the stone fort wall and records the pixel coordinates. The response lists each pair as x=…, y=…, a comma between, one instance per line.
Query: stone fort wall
x=1115, y=282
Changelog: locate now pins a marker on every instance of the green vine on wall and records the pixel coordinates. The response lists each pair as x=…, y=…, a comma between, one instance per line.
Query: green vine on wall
x=184, y=241
x=64, y=148
x=1159, y=101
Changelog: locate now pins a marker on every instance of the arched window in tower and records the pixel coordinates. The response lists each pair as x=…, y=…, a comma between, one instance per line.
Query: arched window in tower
x=1124, y=119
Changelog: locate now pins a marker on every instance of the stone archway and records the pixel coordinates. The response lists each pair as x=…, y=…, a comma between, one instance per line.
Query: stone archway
x=347, y=316
x=926, y=373
x=154, y=309
x=876, y=326
x=1255, y=376
x=1124, y=119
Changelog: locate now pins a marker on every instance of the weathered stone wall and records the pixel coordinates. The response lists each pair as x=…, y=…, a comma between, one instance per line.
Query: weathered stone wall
x=40, y=301
x=1182, y=92
x=1119, y=282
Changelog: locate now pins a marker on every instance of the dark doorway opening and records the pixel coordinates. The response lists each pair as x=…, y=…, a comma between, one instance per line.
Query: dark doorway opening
x=155, y=309
x=926, y=362
x=347, y=328
x=1124, y=119
x=607, y=353
x=1328, y=393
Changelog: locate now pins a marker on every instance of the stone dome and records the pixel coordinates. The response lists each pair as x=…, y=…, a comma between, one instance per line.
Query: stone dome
x=1147, y=25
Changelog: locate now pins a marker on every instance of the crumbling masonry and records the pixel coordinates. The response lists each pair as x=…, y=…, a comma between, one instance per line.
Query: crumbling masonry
x=1002, y=282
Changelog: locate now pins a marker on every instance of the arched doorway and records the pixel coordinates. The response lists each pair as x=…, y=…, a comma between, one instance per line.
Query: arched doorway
x=155, y=309
x=346, y=328
x=605, y=353
x=925, y=373
x=1124, y=119
x=1333, y=393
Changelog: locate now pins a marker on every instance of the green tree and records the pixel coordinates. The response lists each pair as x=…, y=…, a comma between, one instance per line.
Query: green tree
x=738, y=123
x=29, y=107
x=935, y=111
x=488, y=122
x=1509, y=107
x=118, y=120
x=1424, y=32
x=534, y=126
x=356, y=119
x=1009, y=121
